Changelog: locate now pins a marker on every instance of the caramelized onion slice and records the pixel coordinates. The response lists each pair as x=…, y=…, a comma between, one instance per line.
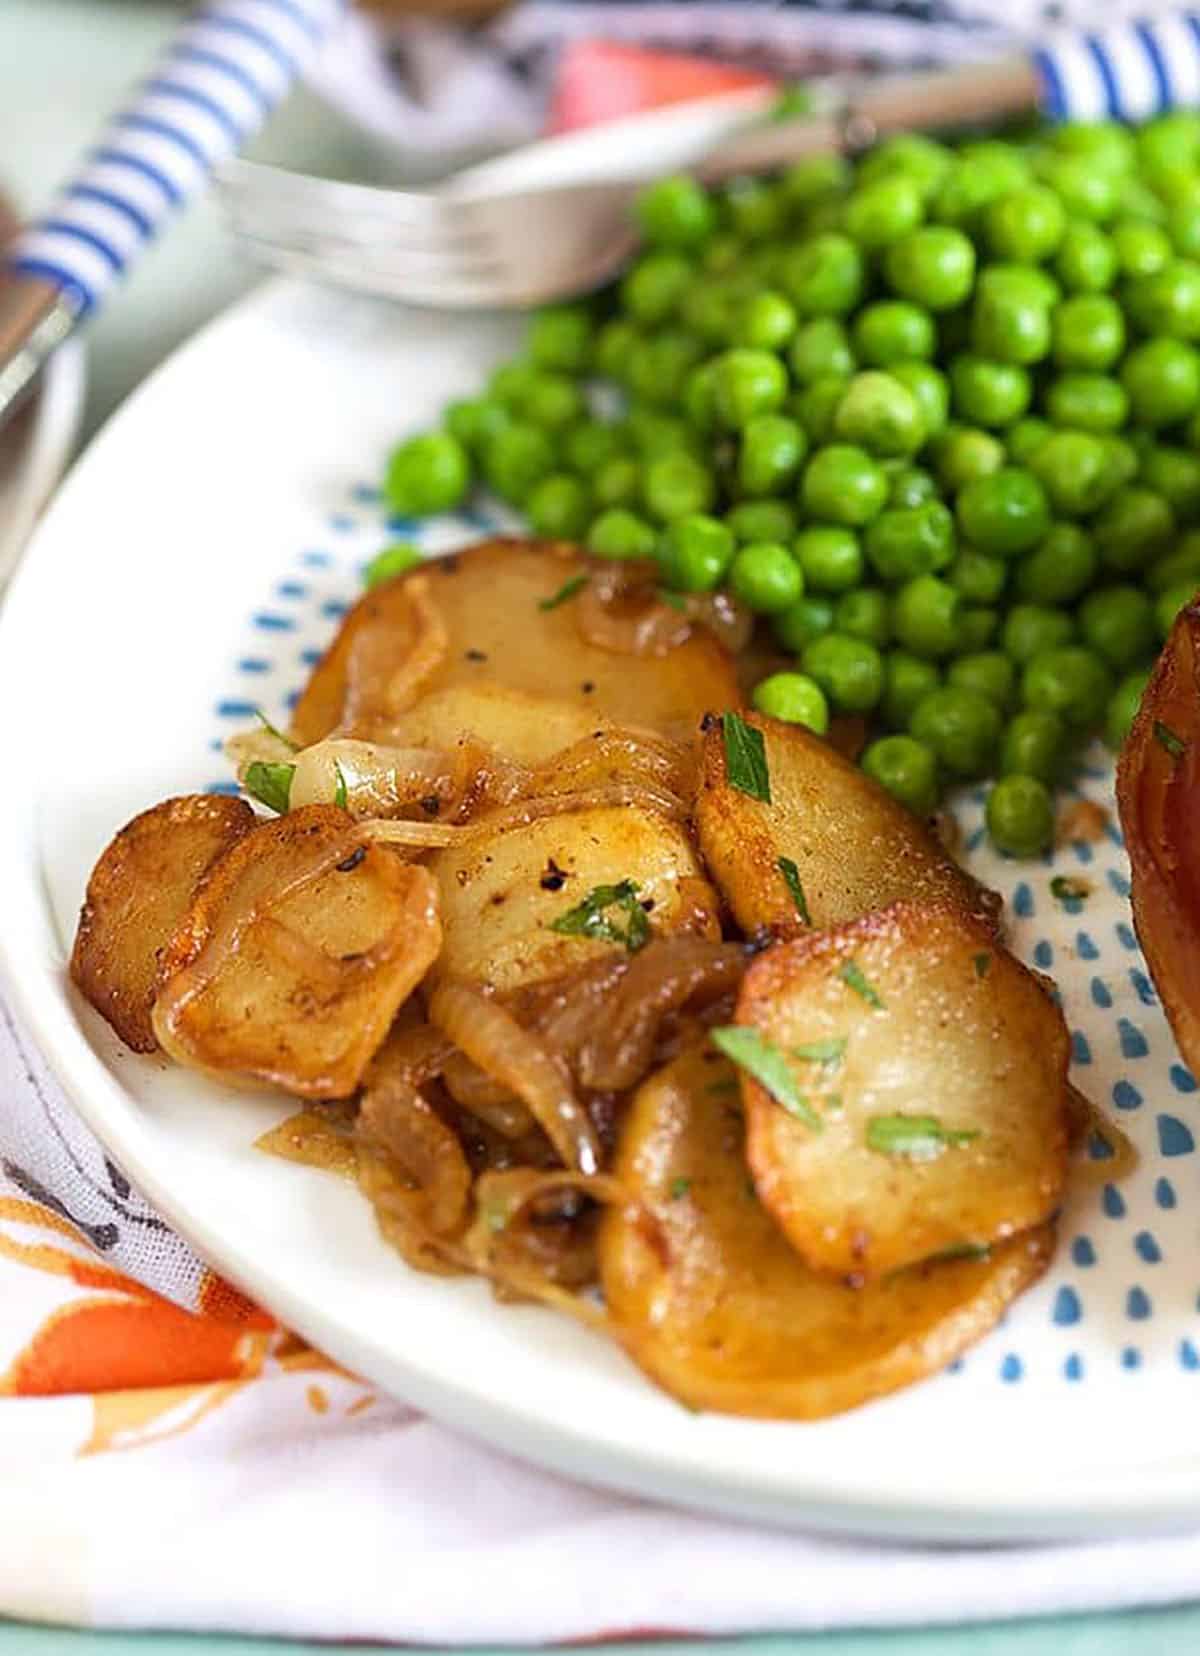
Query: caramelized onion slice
x=295, y=956
x=398, y=1121
x=1158, y=795
x=493, y=1040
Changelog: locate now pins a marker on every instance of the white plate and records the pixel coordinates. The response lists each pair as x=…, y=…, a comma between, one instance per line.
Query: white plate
x=202, y=546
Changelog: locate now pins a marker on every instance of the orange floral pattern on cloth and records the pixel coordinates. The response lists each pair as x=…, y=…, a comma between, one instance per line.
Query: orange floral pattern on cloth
x=151, y=1368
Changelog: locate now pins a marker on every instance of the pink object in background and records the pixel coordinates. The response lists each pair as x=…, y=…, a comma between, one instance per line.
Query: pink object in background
x=601, y=80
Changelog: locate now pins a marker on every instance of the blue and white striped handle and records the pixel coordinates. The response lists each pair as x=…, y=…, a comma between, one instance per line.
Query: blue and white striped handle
x=1126, y=72
x=224, y=72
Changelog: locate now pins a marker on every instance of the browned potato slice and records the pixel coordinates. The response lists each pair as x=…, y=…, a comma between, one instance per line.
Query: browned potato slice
x=488, y=601
x=525, y=728
x=722, y=1313
x=296, y=955
x=855, y=849
x=137, y=895
x=935, y=1067
x=503, y=887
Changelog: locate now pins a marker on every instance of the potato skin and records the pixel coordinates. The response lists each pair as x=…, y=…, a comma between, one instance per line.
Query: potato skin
x=138, y=892
x=964, y=1034
x=718, y=1309
x=488, y=600
x=855, y=848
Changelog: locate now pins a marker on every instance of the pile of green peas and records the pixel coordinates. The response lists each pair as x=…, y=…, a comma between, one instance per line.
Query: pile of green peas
x=934, y=415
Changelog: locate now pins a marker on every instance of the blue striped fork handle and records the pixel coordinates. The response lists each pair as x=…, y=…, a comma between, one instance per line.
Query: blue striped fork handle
x=227, y=67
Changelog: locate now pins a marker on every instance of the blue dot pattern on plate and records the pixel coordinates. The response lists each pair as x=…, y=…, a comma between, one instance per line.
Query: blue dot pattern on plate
x=1122, y=1297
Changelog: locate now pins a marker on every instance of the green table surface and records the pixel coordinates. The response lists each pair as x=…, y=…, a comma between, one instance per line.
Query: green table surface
x=63, y=64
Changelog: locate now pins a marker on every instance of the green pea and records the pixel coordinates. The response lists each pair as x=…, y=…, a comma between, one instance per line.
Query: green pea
x=427, y=474
x=821, y=348
x=966, y=190
x=933, y=266
x=843, y=484
x=1020, y=816
x=1168, y=605
x=675, y=486
x=1089, y=332
x=762, y=520
x=816, y=404
x=1069, y=681
x=906, y=541
x=964, y=453
x=620, y=533
x=794, y=698
x=877, y=214
x=962, y=727
x=816, y=178
x=695, y=553
x=552, y=401
x=1132, y=529
x=1085, y=190
x=1106, y=145
x=978, y=625
x=1026, y=225
x=755, y=208
x=394, y=560
x=907, y=680
x=1032, y=629
x=1177, y=567
x=1007, y=323
x=809, y=618
x=1035, y=744
x=711, y=308
x=930, y=389
x=912, y=155
x=1162, y=378
x=864, y=613
x=1074, y=469
x=617, y=482
x=658, y=372
x=1024, y=439
x=906, y=768
x=891, y=331
x=989, y=393
x=748, y=383
x=772, y=451
x=616, y=343
x=1118, y=623
x=1167, y=302
x=560, y=337
x=1169, y=143
x=880, y=415
x=699, y=397
x=590, y=444
x=1183, y=227
x=654, y=434
x=765, y=321
x=1060, y=568
x=675, y=212
x=509, y=382
x=1086, y=261
x=559, y=507
x=849, y=671
x=925, y=616
x=824, y=276
x=830, y=557
x=1122, y=708
x=655, y=285
x=979, y=577
x=1005, y=512
x=474, y=421
x=988, y=671
x=1124, y=460
x=1087, y=402
x=765, y=577
x=1141, y=247
x=912, y=486
x=1173, y=473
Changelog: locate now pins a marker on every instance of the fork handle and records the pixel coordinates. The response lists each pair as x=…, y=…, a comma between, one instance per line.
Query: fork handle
x=221, y=76
x=1128, y=71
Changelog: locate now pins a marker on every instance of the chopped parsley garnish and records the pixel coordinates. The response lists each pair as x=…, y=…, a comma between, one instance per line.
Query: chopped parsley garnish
x=274, y=730
x=340, y=794
x=852, y=975
x=1069, y=890
x=722, y=1088
x=591, y=919
x=271, y=785
x=680, y=1188
x=1166, y=737
x=822, y=1052
x=568, y=590
x=746, y=758
x=983, y=965
x=919, y=1137
x=769, y=1067
x=675, y=599
x=791, y=879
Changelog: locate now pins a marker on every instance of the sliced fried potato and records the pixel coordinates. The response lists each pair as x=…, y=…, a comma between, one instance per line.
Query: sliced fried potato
x=933, y=1068
x=487, y=603
x=853, y=847
x=300, y=947
x=526, y=728
x=137, y=895
x=503, y=887
x=718, y=1309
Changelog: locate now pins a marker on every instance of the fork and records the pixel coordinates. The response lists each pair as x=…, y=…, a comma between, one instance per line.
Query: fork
x=465, y=247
